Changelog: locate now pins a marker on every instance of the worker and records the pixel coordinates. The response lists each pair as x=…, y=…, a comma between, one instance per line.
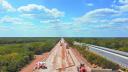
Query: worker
x=43, y=65
x=36, y=66
x=82, y=68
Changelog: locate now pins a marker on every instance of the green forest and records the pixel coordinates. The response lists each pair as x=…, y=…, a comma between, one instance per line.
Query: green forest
x=15, y=53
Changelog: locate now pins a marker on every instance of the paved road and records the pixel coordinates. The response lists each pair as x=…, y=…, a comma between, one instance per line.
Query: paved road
x=118, y=57
x=110, y=50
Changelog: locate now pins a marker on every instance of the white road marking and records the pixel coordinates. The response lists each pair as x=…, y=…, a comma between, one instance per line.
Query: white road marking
x=113, y=53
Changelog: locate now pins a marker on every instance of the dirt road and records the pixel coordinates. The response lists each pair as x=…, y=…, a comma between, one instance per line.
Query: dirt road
x=61, y=58
x=64, y=59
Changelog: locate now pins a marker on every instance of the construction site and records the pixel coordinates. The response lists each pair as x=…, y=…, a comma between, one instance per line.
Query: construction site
x=63, y=58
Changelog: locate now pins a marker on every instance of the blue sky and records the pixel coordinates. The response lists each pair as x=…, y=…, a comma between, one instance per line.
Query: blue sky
x=64, y=18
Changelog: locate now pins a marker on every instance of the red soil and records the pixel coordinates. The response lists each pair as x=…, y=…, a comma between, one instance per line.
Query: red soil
x=29, y=68
x=80, y=58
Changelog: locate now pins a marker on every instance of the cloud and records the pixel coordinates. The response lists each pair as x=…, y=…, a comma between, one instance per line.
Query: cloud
x=49, y=12
x=123, y=1
x=101, y=12
x=5, y=28
x=7, y=6
x=26, y=26
x=16, y=24
x=114, y=1
x=123, y=8
x=7, y=19
x=122, y=5
x=30, y=7
x=103, y=26
x=89, y=4
x=120, y=20
x=30, y=16
x=95, y=16
x=103, y=19
x=50, y=21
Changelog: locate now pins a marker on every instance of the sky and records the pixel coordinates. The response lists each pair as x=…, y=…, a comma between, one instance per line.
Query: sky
x=63, y=18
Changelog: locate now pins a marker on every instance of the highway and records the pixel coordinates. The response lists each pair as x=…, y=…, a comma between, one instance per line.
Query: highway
x=115, y=56
x=110, y=50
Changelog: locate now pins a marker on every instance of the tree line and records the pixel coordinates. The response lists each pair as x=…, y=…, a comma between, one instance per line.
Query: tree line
x=113, y=43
